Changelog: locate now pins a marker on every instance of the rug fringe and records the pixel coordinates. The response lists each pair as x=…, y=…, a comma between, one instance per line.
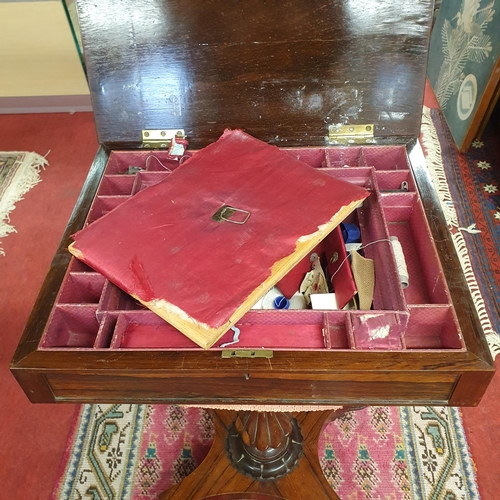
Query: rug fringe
x=434, y=160
x=471, y=229
x=27, y=176
x=435, y=164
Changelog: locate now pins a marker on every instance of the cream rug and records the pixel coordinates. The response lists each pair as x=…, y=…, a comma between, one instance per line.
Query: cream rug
x=19, y=172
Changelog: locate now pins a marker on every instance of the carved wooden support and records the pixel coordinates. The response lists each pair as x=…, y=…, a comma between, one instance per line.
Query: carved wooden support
x=261, y=453
x=265, y=445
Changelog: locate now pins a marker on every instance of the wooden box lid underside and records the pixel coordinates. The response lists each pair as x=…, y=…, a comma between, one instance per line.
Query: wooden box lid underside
x=281, y=71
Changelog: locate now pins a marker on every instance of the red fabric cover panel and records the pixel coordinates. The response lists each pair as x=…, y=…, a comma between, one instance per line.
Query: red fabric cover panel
x=162, y=243
x=339, y=268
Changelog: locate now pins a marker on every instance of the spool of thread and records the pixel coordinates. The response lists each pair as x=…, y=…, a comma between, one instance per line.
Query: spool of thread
x=350, y=233
x=400, y=261
x=268, y=299
x=281, y=302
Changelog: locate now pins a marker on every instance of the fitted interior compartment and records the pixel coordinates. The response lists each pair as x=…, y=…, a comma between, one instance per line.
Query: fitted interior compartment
x=335, y=330
x=144, y=180
x=107, y=324
x=257, y=330
x=72, y=326
x=279, y=330
x=380, y=330
x=388, y=294
x=433, y=327
x=380, y=157
x=395, y=180
x=146, y=330
x=77, y=266
x=128, y=162
x=315, y=157
x=386, y=157
x=116, y=185
x=360, y=176
x=406, y=220
x=82, y=288
x=91, y=312
x=114, y=299
x=104, y=204
x=340, y=157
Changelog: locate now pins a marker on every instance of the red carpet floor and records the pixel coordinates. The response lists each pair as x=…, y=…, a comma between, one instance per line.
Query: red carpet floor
x=33, y=436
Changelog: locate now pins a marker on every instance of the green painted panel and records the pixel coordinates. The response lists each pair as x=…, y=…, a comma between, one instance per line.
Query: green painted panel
x=465, y=47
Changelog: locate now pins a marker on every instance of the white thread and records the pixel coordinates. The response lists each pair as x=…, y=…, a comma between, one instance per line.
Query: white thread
x=360, y=248
x=158, y=160
x=400, y=261
x=398, y=254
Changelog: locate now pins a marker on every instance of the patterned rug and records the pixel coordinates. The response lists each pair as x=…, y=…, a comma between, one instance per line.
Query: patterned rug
x=137, y=451
x=470, y=190
x=19, y=172
x=134, y=452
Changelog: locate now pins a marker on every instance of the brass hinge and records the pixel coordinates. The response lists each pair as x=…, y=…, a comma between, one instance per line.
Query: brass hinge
x=350, y=134
x=247, y=353
x=160, y=139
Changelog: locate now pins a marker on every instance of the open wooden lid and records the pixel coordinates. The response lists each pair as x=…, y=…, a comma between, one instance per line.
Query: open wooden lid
x=282, y=71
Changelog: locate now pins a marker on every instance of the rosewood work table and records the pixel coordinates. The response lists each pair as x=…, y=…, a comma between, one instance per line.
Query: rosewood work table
x=338, y=85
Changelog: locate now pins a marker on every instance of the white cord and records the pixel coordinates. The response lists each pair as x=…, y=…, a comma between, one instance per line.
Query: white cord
x=360, y=248
x=236, y=337
x=158, y=160
x=472, y=229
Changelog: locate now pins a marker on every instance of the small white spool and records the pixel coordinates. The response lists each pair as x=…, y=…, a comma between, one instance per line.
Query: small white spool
x=400, y=261
x=268, y=299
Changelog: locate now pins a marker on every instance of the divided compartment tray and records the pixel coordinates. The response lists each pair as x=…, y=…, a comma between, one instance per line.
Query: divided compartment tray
x=92, y=313
x=87, y=341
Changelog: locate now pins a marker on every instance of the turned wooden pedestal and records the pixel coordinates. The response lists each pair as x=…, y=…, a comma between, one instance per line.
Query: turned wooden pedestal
x=261, y=455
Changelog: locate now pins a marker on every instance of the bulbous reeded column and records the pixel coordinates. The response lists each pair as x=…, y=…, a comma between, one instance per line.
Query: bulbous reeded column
x=265, y=445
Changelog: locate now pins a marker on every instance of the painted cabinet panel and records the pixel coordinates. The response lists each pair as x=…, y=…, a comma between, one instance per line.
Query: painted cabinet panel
x=463, y=67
